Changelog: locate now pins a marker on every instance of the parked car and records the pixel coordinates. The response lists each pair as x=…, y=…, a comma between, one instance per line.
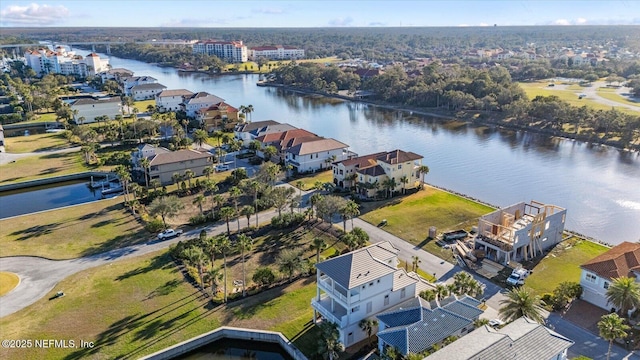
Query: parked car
x=496, y=323
x=168, y=234
x=517, y=276
x=222, y=167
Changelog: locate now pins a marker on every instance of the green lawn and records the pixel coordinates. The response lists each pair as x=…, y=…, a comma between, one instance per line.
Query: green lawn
x=44, y=117
x=309, y=181
x=410, y=217
x=71, y=232
x=562, y=264
x=142, y=105
x=36, y=167
x=135, y=307
x=611, y=94
x=38, y=142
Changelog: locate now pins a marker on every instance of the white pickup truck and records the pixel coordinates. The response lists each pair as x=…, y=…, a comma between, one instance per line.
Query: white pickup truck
x=168, y=234
x=517, y=276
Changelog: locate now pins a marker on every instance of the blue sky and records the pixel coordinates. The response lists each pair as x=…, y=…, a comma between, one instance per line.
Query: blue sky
x=311, y=13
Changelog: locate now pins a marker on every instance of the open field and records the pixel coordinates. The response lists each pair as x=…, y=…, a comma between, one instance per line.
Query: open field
x=253, y=66
x=562, y=264
x=611, y=94
x=310, y=180
x=44, y=117
x=8, y=281
x=38, y=142
x=36, y=167
x=143, y=104
x=71, y=232
x=155, y=308
x=569, y=95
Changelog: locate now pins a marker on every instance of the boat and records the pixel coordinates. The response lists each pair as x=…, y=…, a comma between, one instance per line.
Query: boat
x=103, y=183
x=111, y=190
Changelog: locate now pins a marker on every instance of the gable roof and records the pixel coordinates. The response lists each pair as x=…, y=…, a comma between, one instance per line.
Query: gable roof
x=419, y=325
x=360, y=266
x=177, y=92
x=177, y=156
x=247, y=127
x=315, y=146
x=274, y=128
x=523, y=339
x=617, y=262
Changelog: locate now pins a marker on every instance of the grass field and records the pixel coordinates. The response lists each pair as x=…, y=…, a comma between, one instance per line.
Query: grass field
x=253, y=66
x=38, y=142
x=309, y=181
x=562, y=264
x=143, y=104
x=410, y=217
x=8, y=282
x=155, y=308
x=611, y=94
x=71, y=232
x=41, y=166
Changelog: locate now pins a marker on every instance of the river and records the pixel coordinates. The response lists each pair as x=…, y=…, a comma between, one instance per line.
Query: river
x=599, y=186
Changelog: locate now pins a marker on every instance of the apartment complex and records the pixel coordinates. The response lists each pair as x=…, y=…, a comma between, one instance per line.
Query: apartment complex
x=233, y=51
x=277, y=52
x=44, y=61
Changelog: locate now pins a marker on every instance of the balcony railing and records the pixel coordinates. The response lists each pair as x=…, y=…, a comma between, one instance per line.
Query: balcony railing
x=326, y=313
x=327, y=288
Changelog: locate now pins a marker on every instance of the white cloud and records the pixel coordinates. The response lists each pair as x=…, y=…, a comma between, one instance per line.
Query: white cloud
x=33, y=14
x=562, y=22
x=270, y=11
x=484, y=24
x=377, y=23
x=581, y=21
x=194, y=22
x=341, y=21
x=463, y=25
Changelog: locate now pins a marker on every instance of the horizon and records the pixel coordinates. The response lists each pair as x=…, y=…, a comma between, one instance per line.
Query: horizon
x=315, y=14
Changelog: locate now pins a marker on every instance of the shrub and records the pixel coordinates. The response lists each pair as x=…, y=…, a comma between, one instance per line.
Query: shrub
x=287, y=220
x=197, y=220
x=263, y=276
x=154, y=225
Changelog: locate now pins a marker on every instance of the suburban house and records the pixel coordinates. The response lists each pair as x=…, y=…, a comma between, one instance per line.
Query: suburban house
x=164, y=163
x=130, y=82
x=232, y=51
x=90, y=108
x=360, y=285
x=597, y=273
x=197, y=101
x=284, y=140
x=218, y=116
x=116, y=74
x=249, y=131
x=171, y=100
x=416, y=324
x=277, y=52
x=522, y=339
x=316, y=154
x=521, y=231
x=372, y=170
x=146, y=91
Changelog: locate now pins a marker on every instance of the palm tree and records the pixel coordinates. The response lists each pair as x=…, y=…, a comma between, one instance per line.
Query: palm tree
x=145, y=163
x=350, y=210
x=208, y=171
x=428, y=295
x=196, y=257
x=176, y=177
x=441, y=291
x=404, y=181
x=199, y=200
x=328, y=343
x=415, y=260
x=213, y=275
x=244, y=244
x=249, y=110
x=480, y=322
x=224, y=245
x=289, y=262
x=368, y=325
x=624, y=293
x=318, y=244
x=521, y=302
x=247, y=211
x=165, y=206
x=253, y=187
x=389, y=185
x=226, y=213
x=234, y=194
x=465, y=284
x=200, y=137
x=189, y=174
x=423, y=170
x=612, y=327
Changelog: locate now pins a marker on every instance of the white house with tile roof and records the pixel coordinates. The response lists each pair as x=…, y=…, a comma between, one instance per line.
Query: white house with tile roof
x=361, y=284
x=197, y=101
x=171, y=100
x=316, y=154
x=523, y=339
x=416, y=325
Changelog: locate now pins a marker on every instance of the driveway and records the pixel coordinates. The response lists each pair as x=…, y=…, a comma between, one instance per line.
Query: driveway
x=6, y=158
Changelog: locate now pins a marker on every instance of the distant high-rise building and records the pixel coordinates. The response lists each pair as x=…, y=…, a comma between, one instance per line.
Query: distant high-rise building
x=233, y=51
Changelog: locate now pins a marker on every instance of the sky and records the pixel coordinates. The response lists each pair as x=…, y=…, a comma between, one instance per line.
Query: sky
x=312, y=13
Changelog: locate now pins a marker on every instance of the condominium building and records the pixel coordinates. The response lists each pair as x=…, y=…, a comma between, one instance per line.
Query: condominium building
x=277, y=52
x=45, y=61
x=233, y=51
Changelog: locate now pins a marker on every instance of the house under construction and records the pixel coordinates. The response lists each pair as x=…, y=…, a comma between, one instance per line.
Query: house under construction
x=520, y=232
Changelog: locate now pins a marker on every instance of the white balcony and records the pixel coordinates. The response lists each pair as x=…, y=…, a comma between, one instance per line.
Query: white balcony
x=326, y=284
x=337, y=316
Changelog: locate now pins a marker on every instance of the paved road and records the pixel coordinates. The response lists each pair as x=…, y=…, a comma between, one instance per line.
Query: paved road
x=6, y=158
x=592, y=94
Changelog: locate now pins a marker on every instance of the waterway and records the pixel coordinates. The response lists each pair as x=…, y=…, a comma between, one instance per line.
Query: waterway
x=231, y=349
x=599, y=186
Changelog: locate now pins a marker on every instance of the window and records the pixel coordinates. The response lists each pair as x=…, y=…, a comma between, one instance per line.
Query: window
x=369, y=307
x=399, y=167
x=354, y=309
x=386, y=300
x=606, y=284
x=371, y=284
x=591, y=278
x=403, y=293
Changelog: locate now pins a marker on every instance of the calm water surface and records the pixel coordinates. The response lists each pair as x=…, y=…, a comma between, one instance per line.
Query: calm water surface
x=231, y=349
x=599, y=186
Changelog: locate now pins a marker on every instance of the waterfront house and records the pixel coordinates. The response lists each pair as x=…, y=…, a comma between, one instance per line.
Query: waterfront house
x=90, y=108
x=369, y=172
x=249, y=131
x=221, y=116
x=417, y=325
x=164, y=163
x=130, y=82
x=283, y=140
x=316, y=154
x=598, y=273
x=146, y=91
x=521, y=231
x=522, y=339
x=116, y=74
x=360, y=285
x=197, y=101
x=170, y=100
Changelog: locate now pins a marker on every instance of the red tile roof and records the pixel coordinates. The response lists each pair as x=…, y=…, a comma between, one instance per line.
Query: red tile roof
x=617, y=262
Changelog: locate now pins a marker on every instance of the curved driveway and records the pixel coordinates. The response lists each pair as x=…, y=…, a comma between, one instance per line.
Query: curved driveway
x=6, y=158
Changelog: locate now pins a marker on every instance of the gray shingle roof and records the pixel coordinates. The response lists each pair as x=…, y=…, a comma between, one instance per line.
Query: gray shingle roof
x=178, y=156
x=153, y=86
x=358, y=267
x=522, y=339
x=316, y=146
x=88, y=101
